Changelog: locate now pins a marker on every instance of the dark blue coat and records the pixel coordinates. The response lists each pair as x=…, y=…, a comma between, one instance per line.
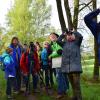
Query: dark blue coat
x=16, y=50
x=94, y=27
x=9, y=65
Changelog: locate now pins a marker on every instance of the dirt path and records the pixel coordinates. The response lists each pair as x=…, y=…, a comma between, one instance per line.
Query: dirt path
x=32, y=97
x=43, y=95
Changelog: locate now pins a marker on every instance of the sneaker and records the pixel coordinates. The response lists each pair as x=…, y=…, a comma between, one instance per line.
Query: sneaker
x=9, y=97
x=16, y=92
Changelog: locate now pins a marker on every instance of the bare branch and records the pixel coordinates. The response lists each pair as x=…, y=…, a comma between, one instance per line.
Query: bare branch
x=85, y=5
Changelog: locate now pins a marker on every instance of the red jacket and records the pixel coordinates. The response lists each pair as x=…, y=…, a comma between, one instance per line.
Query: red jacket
x=24, y=63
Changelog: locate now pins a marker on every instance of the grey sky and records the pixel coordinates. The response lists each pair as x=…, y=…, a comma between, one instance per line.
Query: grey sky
x=6, y=4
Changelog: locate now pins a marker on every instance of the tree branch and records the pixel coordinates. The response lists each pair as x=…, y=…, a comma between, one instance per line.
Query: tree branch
x=68, y=14
x=85, y=5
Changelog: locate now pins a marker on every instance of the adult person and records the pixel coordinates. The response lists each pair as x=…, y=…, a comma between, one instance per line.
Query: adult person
x=41, y=76
x=16, y=55
x=94, y=27
x=71, y=60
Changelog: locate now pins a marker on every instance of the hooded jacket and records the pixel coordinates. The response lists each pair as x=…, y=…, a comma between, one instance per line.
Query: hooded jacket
x=9, y=65
x=25, y=63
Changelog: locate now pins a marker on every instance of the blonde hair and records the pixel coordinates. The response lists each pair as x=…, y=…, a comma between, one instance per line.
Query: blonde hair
x=45, y=42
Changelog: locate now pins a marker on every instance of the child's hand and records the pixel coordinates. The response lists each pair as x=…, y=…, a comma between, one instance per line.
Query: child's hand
x=49, y=58
x=64, y=33
x=73, y=37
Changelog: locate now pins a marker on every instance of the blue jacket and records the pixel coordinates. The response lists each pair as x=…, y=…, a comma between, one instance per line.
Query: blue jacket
x=44, y=57
x=9, y=65
x=16, y=50
x=94, y=27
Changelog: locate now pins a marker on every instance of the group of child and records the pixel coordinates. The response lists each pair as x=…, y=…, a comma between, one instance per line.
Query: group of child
x=61, y=56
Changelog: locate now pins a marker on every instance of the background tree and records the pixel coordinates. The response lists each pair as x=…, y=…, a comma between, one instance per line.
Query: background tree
x=29, y=19
x=96, y=66
x=72, y=12
x=60, y=14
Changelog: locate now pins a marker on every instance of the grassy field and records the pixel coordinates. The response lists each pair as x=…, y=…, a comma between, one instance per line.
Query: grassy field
x=90, y=90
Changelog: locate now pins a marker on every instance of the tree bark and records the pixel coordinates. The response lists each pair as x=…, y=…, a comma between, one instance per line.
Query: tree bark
x=96, y=65
x=60, y=14
x=68, y=14
x=76, y=13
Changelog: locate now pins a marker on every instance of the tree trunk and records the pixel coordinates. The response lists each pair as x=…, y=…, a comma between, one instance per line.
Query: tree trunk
x=60, y=14
x=68, y=14
x=76, y=13
x=96, y=66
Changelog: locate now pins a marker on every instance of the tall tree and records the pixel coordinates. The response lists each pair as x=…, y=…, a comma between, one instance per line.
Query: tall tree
x=19, y=18
x=76, y=13
x=72, y=17
x=68, y=14
x=60, y=14
x=96, y=66
x=30, y=18
x=41, y=13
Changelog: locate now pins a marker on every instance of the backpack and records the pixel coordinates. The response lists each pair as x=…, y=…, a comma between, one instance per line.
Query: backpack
x=2, y=65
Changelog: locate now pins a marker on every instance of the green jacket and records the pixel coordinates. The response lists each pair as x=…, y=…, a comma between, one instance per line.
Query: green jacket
x=55, y=47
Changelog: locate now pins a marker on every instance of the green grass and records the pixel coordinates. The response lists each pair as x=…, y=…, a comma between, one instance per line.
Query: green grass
x=90, y=90
x=87, y=62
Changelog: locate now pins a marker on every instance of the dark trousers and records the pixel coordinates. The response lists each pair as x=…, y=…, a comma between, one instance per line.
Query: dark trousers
x=52, y=71
x=47, y=76
x=35, y=80
x=18, y=78
x=74, y=79
x=11, y=83
x=27, y=81
x=41, y=78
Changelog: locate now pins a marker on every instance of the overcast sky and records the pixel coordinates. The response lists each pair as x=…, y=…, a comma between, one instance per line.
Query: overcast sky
x=6, y=4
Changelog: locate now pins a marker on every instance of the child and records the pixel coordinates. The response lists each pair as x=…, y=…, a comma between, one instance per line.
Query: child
x=16, y=55
x=45, y=67
x=10, y=72
x=29, y=64
x=71, y=60
x=41, y=76
x=62, y=80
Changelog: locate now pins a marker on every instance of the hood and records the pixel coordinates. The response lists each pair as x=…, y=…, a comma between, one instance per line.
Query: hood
x=5, y=54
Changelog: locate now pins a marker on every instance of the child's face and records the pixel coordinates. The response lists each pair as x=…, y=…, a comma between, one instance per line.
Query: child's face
x=53, y=37
x=46, y=45
x=38, y=48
